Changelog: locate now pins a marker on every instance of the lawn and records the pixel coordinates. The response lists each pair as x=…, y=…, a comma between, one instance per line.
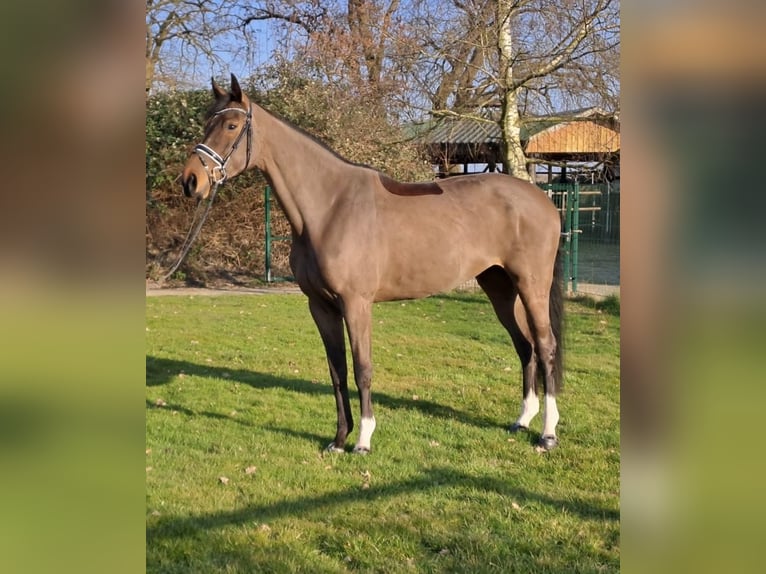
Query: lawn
x=239, y=407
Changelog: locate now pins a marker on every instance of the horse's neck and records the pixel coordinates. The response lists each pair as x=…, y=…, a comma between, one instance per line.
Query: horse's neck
x=304, y=175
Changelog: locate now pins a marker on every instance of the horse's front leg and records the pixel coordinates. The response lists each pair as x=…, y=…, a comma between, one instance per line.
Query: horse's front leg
x=358, y=313
x=329, y=321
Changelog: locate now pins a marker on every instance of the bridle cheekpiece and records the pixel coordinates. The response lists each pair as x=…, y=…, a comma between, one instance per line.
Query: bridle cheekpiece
x=217, y=172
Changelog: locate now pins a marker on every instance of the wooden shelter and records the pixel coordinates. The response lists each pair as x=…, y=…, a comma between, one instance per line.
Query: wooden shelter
x=454, y=143
x=585, y=140
x=586, y=136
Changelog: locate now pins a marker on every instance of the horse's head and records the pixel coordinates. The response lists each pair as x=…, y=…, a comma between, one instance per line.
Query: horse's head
x=226, y=148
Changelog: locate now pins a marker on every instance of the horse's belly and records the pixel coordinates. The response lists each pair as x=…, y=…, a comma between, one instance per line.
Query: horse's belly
x=422, y=274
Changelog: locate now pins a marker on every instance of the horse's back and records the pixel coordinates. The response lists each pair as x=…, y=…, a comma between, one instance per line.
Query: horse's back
x=491, y=202
x=496, y=187
x=434, y=242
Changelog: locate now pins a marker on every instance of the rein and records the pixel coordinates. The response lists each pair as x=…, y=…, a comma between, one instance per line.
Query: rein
x=216, y=180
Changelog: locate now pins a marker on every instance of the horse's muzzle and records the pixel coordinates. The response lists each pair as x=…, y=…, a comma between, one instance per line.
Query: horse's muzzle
x=190, y=185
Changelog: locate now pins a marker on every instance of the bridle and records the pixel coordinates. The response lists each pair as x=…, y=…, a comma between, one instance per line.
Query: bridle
x=217, y=173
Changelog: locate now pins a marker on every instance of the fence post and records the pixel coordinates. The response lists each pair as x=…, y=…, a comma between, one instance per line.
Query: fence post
x=608, y=224
x=575, y=230
x=566, y=205
x=267, y=251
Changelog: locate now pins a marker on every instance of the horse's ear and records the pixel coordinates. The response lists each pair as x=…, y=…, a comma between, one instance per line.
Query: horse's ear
x=236, y=91
x=218, y=92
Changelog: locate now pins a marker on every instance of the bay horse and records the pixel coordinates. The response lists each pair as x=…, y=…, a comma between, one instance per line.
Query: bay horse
x=359, y=237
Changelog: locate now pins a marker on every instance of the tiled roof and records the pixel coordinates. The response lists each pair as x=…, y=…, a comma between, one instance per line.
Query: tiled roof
x=462, y=131
x=474, y=131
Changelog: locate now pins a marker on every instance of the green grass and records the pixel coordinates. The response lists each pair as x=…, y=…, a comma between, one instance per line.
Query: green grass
x=240, y=382
x=609, y=304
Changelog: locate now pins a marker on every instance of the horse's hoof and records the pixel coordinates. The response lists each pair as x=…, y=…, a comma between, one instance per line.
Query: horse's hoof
x=548, y=442
x=361, y=450
x=332, y=448
x=516, y=427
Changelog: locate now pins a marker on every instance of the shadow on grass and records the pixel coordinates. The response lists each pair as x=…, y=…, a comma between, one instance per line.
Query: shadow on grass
x=160, y=371
x=189, y=412
x=321, y=440
x=164, y=531
x=434, y=479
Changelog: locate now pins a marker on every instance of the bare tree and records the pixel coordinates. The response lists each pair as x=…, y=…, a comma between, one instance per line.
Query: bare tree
x=352, y=40
x=494, y=60
x=518, y=57
x=183, y=37
x=510, y=119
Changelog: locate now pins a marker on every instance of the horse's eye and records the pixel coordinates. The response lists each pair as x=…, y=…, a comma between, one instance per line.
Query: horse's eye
x=232, y=126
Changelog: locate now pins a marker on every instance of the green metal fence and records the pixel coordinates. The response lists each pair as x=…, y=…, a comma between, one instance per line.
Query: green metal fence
x=566, y=197
x=600, y=212
x=590, y=232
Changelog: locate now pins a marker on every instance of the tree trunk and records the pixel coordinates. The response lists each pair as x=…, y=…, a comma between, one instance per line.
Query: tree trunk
x=514, y=160
x=513, y=154
x=149, y=75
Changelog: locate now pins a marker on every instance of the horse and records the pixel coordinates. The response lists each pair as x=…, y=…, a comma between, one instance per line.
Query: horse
x=359, y=237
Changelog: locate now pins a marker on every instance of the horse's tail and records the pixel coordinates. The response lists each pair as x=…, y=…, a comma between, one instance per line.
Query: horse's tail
x=556, y=306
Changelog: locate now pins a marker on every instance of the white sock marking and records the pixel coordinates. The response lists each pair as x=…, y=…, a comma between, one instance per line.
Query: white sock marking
x=550, y=416
x=365, y=432
x=530, y=406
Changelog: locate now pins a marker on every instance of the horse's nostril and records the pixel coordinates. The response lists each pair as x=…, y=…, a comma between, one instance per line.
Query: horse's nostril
x=190, y=185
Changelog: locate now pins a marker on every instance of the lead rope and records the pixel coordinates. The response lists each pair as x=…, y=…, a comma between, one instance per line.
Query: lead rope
x=193, y=232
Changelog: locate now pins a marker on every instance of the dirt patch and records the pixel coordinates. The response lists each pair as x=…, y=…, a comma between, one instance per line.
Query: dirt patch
x=154, y=289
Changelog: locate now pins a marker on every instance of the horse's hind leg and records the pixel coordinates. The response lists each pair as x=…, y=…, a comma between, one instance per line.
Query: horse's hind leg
x=502, y=292
x=537, y=298
x=329, y=321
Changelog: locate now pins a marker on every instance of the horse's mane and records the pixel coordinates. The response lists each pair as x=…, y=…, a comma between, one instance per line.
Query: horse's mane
x=391, y=185
x=313, y=138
